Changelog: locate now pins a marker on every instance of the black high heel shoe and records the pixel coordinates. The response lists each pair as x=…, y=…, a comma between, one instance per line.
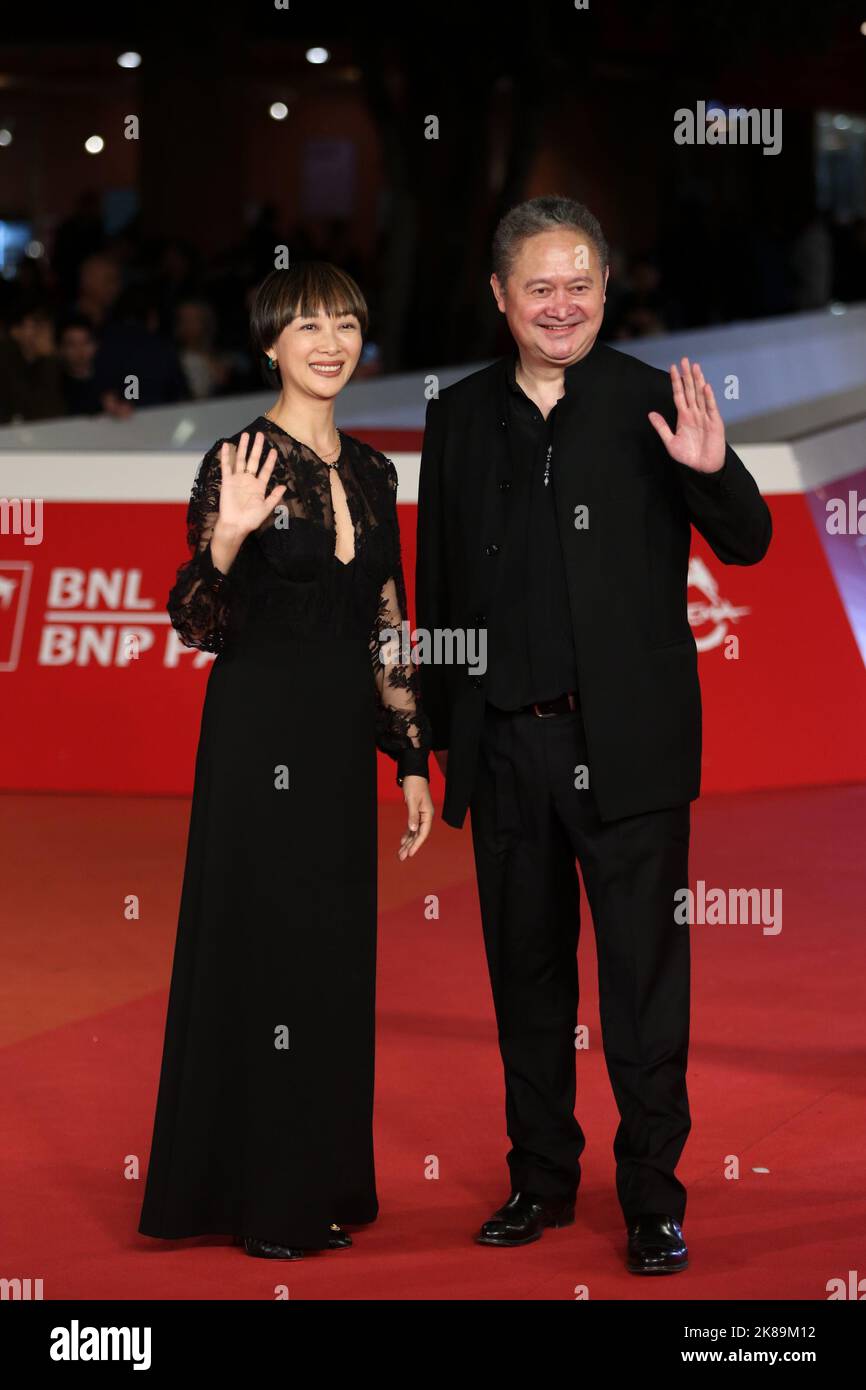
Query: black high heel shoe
x=271, y=1250
x=268, y=1249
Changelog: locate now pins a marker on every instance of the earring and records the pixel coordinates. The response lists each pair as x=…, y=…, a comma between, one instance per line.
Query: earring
x=272, y=363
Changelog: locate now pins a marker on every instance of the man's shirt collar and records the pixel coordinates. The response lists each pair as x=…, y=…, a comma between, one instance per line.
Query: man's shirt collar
x=571, y=375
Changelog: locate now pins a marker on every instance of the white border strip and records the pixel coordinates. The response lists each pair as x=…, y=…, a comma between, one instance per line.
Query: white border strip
x=167, y=477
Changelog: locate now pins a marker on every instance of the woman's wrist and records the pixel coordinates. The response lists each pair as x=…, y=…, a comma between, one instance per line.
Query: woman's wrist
x=412, y=762
x=225, y=543
x=229, y=532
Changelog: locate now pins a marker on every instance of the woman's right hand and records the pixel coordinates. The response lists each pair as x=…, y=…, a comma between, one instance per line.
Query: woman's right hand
x=243, y=505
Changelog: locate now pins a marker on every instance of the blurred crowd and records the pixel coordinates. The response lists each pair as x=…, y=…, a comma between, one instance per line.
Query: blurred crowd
x=110, y=324
x=731, y=270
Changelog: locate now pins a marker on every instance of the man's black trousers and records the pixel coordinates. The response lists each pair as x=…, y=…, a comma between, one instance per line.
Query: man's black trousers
x=529, y=824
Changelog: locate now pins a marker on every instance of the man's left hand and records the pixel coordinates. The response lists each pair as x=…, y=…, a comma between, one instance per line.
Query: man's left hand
x=699, y=441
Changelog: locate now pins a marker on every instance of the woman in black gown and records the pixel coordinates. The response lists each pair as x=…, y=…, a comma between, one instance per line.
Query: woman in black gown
x=263, y=1126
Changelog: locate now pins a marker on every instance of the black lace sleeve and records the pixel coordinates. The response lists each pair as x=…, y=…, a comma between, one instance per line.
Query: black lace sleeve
x=200, y=599
x=403, y=730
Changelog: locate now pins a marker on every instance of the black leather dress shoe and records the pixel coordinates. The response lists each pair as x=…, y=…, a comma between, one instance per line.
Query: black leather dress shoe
x=656, y=1245
x=523, y=1219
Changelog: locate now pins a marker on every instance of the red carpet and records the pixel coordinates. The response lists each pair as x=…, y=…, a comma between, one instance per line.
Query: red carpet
x=776, y=1075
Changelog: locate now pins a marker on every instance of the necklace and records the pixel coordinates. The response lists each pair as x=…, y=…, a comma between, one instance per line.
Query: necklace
x=336, y=450
x=547, y=465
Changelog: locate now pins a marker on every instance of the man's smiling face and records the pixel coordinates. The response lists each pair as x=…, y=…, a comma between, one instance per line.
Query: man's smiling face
x=553, y=299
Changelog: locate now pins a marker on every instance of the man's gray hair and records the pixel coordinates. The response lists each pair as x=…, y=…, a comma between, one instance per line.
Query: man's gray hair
x=543, y=215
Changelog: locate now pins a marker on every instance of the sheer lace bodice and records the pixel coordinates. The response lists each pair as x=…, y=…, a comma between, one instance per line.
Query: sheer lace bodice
x=287, y=575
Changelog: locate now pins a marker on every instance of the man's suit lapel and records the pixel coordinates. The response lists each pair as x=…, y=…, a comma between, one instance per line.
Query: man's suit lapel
x=489, y=482
x=502, y=460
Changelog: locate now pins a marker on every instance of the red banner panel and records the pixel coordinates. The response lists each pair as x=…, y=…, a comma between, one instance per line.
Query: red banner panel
x=99, y=694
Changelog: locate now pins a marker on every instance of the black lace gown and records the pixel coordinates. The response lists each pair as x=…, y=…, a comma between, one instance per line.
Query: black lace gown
x=263, y=1121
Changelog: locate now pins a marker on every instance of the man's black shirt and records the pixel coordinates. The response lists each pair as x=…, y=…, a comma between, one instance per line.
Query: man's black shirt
x=530, y=648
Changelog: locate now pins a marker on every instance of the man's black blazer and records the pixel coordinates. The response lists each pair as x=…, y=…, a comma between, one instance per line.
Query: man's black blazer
x=626, y=569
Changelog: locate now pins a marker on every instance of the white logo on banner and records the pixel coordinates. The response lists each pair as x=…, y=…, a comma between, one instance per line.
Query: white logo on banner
x=93, y=616
x=712, y=614
x=14, y=588
x=100, y=617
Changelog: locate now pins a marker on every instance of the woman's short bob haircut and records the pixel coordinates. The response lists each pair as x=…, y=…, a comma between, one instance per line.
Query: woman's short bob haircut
x=303, y=291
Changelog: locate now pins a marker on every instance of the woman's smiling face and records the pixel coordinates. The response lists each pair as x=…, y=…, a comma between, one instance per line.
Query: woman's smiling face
x=318, y=355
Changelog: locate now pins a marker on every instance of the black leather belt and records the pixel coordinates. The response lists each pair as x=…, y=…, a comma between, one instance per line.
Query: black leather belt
x=560, y=705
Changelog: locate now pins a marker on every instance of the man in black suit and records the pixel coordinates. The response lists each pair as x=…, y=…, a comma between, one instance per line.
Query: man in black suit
x=556, y=496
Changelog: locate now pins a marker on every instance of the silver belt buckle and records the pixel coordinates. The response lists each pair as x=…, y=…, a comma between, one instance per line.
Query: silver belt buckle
x=552, y=713
x=540, y=715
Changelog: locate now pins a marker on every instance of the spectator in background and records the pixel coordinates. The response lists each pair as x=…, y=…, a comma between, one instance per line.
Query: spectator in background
x=617, y=294
x=99, y=284
x=135, y=365
x=342, y=249
x=208, y=372
x=811, y=261
x=77, y=347
x=34, y=280
x=124, y=248
x=850, y=261
x=642, y=309
x=177, y=277
x=80, y=236
x=262, y=238
x=772, y=284
x=30, y=374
